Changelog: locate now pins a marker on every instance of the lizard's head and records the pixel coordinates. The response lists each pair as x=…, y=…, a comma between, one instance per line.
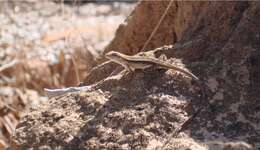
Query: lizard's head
x=112, y=55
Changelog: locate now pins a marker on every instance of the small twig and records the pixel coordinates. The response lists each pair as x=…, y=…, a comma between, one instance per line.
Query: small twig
x=83, y=39
x=188, y=122
x=10, y=107
x=157, y=26
x=8, y=65
x=8, y=125
x=75, y=68
x=181, y=128
x=62, y=7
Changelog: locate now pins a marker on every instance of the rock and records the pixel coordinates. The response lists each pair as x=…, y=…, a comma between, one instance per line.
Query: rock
x=122, y=112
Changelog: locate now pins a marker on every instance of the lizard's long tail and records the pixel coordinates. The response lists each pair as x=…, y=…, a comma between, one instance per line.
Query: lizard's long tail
x=168, y=65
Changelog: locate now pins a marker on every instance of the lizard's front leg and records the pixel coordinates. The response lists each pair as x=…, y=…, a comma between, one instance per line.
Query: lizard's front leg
x=130, y=71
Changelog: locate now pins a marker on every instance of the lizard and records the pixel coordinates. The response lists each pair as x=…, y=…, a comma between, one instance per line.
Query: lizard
x=130, y=63
x=136, y=62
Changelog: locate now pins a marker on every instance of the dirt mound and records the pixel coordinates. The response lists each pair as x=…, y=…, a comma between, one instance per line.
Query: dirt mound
x=125, y=112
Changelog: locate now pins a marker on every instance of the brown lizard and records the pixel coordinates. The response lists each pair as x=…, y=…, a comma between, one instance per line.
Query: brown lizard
x=132, y=63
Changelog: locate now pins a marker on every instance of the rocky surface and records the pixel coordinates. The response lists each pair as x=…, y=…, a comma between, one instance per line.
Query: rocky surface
x=218, y=41
x=117, y=115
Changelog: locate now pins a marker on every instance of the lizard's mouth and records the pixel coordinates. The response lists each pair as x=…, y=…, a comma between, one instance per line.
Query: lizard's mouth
x=112, y=58
x=109, y=56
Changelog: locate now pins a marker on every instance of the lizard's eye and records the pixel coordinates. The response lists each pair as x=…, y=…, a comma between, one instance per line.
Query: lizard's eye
x=112, y=54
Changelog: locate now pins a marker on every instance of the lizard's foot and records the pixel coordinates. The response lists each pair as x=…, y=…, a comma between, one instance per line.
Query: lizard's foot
x=128, y=74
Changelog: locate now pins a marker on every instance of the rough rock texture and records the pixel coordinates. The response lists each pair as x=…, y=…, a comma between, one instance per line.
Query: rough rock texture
x=218, y=41
x=117, y=115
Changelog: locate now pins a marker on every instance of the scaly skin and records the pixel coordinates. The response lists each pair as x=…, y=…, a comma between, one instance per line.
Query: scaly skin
x=131, y=63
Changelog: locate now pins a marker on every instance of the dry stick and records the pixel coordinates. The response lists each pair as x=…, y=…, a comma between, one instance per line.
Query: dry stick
x=188, y=121
x=181, y=128
x=10, y=107
x=92, y=52
x=74, y=5
x=8, y=65
x=74, y=63
x=62, y=7
x=75, y=69
x=157, y=26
